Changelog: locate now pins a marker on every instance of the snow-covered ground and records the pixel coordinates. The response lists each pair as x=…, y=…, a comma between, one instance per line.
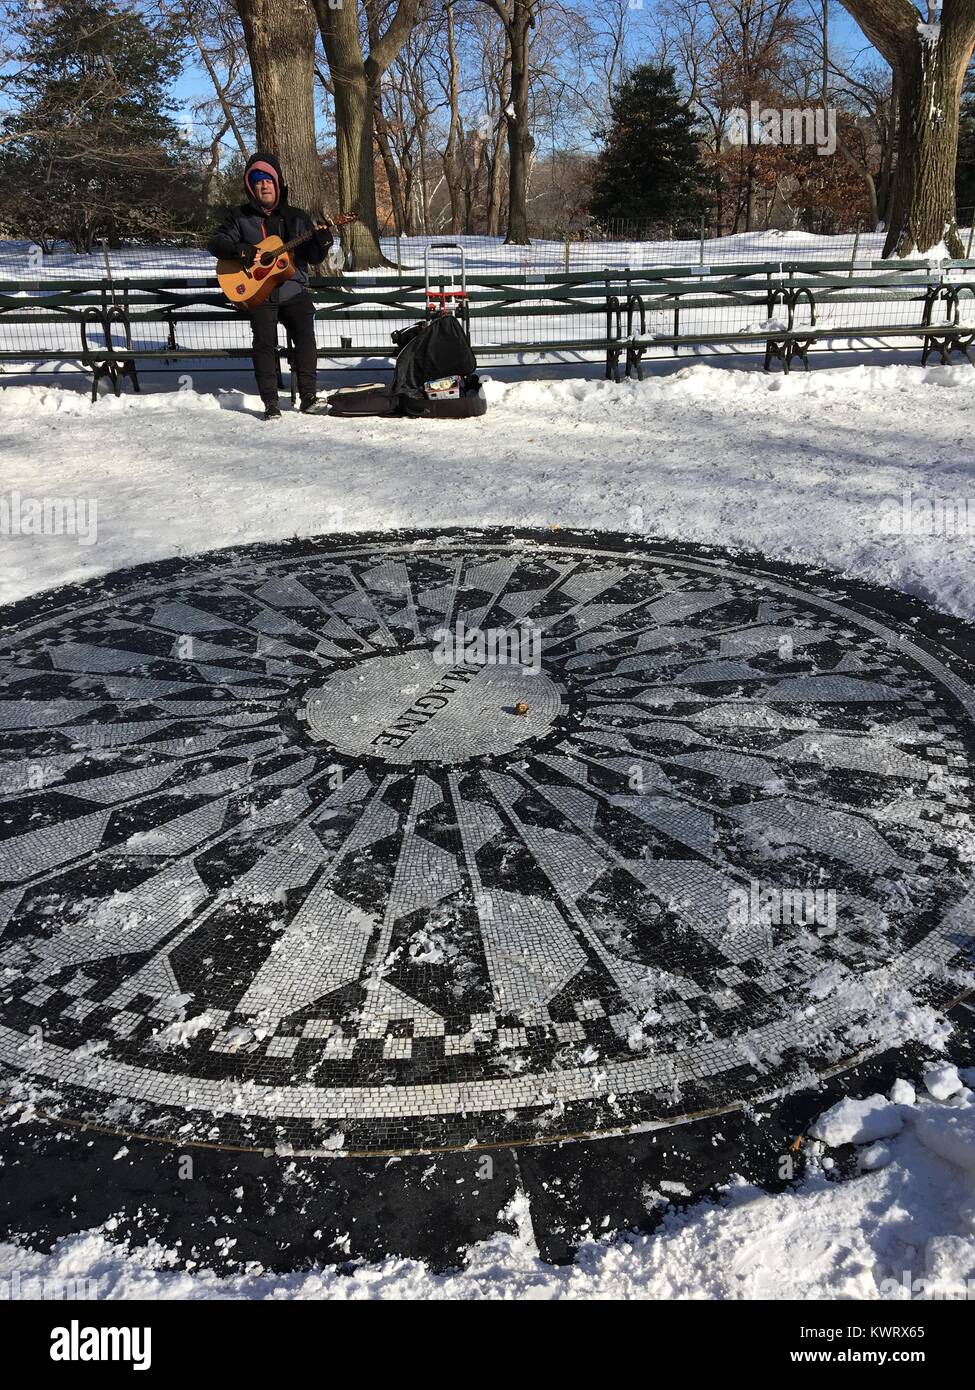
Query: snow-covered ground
x=24, y=259
x=846, y=467
x=811, y=468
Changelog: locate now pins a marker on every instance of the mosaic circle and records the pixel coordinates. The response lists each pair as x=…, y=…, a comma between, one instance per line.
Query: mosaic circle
x=384, y=844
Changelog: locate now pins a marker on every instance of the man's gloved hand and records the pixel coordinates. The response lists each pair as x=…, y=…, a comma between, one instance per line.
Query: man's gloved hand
x=247, y=253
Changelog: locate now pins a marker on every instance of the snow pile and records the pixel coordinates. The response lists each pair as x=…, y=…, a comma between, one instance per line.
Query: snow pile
x=951, y=1136
x=942, y=1081
x=858, y=1122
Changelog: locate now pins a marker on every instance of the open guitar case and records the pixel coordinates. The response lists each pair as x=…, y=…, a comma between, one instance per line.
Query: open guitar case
x=430, y=353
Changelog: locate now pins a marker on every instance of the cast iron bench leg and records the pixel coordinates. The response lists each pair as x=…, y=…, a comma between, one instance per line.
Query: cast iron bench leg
x=99, y=370
x=776, y=350
x=799, y=347
x=102, y=370
x=634, y=363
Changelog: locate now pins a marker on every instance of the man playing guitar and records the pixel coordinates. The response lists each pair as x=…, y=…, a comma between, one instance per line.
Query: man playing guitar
x=264, y=213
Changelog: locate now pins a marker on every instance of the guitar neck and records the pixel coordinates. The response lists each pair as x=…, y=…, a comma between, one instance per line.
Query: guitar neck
x=297, y=241
x=341, y=221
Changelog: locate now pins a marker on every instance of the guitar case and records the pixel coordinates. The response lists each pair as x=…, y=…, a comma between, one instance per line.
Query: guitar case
x=372, y=398
x=376, y=398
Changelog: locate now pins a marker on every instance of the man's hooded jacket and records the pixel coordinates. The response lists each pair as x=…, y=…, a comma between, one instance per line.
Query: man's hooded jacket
x=251, y=223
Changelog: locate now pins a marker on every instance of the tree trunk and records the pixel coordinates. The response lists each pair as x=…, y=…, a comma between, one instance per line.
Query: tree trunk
x=474, y=163
x=452, y=163
x=389, y=164
x=280, y=39
x=354, y=77
x=212, y=165
x=874, y=213
x=424, y=199
x=496, y=187
x=520, y=142
x=885, y=181
x=496, y=171
x=923, y=211
x=928, y=62
x=353, y=130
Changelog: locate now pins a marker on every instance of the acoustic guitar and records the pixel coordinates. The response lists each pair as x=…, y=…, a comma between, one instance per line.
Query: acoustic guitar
x=273, y=264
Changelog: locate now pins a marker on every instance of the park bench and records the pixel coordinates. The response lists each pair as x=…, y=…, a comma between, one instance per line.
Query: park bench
x=784, y=309
x=795, y=300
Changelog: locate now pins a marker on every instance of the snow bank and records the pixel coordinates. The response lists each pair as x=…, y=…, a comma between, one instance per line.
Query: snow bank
x=706, y=453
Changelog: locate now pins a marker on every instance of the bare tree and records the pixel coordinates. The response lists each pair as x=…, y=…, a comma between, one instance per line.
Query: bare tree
x=493, y=121
x=196, y=17
x=928, y=60
x=612, y=35
x=355, y=78
x=519, y=18
x=869, y=138
x=405, y=106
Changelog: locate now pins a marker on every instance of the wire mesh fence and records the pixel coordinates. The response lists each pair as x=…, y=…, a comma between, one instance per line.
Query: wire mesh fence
x=550, y=297
x=633, y=245
x=513, y=318
x=619, y=245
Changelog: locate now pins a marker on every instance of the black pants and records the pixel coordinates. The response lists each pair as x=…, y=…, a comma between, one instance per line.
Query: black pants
x=297, y=315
